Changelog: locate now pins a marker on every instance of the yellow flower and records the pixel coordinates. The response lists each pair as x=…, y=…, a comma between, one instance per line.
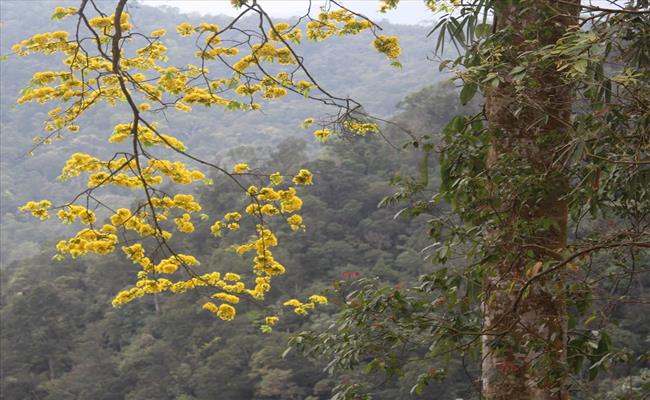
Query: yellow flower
x=232, y=216
x=38, y=209
x=292, y=303
x=268, y=194
x=158, y=33
x=304, y=177
x=269, y=209
x=388, y=45
x=226, y=297
x=185, y=29
x=226, y=312
x=322, y=134
x=216, y=228
x=318, y=299
x=252, y=208
x=180, y=106
x=211, y=307
x=276, y=178
x=241, y=168
x=292, y=204
x=232, y=277
x=307, y=122
x=295, y=221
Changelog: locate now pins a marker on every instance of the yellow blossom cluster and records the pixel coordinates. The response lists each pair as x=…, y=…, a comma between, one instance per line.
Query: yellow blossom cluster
x=446, y=6
x=105, y=173
x=229, y=284
x=238, y=3
x=136, y=254
x=62, y=12
x=230, y=298
x=241, y=168
x=176, y=171
x=68, y=215
x=204, y=97
x=146, y=136
x=225, y=311
x=342, y=22
x=301, y=308
x=80, y=162
x=322, y=134
x=304, y=177
x=388, y=45
x=284, y=32
x=185, y=29
x=337, y=22
x=185, y=202
x=269, y=322
x=215, y=52
x=266, y=52
x=107, y=23
x=123, y=217
x=46, y=43
x=158, y=33
x=88, y=240
x=274, y=87
x=171, y=264
x=265, y=202
x=37, y=208
x=184, y=223
x=361, y=128
x=143, y=286
x=88, y=78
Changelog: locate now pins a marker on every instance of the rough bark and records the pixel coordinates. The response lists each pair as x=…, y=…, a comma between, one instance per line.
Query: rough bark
x=524, y=350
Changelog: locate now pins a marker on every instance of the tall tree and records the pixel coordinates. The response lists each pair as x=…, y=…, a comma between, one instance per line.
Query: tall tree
x=525, y=339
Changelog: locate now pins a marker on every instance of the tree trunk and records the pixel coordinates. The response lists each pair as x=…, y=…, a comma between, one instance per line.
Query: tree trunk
x=524, y=348
x=156, y=304
x=50, y=368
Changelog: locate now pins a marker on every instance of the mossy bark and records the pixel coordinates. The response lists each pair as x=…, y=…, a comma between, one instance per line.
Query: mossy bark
x=525, y=345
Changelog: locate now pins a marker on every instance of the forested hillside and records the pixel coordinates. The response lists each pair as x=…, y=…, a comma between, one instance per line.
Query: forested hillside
x=370, y=219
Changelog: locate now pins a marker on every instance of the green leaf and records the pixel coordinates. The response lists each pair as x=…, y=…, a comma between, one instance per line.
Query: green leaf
x=483, y=30
x=468, y=92
x=581, y=65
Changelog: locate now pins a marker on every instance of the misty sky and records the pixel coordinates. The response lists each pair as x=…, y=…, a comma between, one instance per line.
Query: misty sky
x=409, y=12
